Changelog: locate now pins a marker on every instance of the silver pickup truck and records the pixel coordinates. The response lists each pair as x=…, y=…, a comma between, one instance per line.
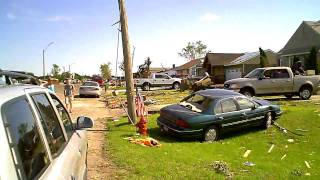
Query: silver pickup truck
x=157, y=80
x=275, y=81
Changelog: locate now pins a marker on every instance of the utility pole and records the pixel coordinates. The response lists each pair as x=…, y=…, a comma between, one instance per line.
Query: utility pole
x=43, y=59
x=127, y=61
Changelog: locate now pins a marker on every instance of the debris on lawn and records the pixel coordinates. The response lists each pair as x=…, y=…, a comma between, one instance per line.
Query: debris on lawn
x=290, y=140
x=297, y=172
x=150, y=142
x=222, y=168
x=307, y=174
x=246, y=154
x=285, y=130
x=270, y=149
x=247, y=163
x=302, y=130
x=307, y=164
x=283, y=157
x=149, y=102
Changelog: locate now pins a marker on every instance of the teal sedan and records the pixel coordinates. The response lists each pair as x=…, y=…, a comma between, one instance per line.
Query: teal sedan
x=208, y=113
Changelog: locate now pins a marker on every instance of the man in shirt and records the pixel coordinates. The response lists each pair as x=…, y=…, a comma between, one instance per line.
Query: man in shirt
x=68, y=94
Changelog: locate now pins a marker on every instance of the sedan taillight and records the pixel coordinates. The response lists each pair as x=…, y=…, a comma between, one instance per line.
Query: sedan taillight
x=182, y=123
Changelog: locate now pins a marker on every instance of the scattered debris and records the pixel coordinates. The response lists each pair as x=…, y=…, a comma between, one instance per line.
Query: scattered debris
x=297, y=172
x=307, y=174
x=283, y=157
x=307, y=164
x=284, y=130
x=244, y=170
x=149, y=102
x=290, y=140
x=270, y=149
x=222, y=168
x=246, y=154
x=249, y=163
x=150, y=142
x=286, y=146
x=303, y=130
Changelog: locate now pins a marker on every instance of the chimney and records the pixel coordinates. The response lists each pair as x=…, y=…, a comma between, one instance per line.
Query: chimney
x=173, y=66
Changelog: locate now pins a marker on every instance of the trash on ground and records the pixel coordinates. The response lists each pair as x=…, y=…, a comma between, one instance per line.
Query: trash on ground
x=270, y=149
x=149, y=101
x=297, y=172
x=222, y=168
x=283, y=156
x=249, y=163
x=246, y=154
x=302, y=130
x=307, y=164
x=290, y=140
x=307, y=174
x=150, y=142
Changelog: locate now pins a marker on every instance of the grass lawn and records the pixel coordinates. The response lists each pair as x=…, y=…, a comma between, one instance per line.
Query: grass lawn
x=191, y=159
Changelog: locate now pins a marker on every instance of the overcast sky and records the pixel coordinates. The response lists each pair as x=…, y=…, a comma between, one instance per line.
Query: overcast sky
x=82, y=33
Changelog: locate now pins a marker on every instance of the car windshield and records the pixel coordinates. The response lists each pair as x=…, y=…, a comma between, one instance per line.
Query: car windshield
x=255, y=73
x=90, y=84
x=196, y=102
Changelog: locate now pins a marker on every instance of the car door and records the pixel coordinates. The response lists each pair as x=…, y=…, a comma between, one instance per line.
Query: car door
x=27, y=144
x=268, y=84
x=77, y=139
x=57, y=140
x=227, y=113
x=159, y=80
x=251, y=114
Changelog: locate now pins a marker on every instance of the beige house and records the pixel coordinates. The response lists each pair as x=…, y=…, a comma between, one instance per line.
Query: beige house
x=299, y=45
x=247, y=62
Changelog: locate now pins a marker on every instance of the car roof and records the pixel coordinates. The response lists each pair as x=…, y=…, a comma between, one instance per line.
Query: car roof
x=217, y=93
x=9, y=92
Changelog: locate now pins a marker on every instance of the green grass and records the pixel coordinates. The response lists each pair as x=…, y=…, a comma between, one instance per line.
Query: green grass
x=191, y=159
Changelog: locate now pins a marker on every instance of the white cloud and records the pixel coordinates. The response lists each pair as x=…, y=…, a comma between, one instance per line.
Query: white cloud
x=58, y=19
x=11, y=16
x=209, y=17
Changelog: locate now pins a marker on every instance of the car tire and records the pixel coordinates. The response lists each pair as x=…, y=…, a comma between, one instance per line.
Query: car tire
x=146, y=87
x=247, y=92
x=305, y=93
x=80, y=95
x=267, y=120
x=288, y=96
x=176, y=86
x=211, y=134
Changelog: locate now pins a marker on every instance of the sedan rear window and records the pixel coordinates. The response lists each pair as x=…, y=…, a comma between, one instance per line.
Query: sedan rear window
x=90, y=84
x=199, y=101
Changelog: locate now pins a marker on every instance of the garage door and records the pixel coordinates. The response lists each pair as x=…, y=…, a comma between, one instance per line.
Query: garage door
x=233, y=73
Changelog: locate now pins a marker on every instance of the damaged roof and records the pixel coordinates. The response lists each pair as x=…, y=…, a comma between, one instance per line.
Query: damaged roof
x=220, y=59
x=190, y=64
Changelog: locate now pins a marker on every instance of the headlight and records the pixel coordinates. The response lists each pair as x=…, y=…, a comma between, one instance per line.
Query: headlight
x=234, y=86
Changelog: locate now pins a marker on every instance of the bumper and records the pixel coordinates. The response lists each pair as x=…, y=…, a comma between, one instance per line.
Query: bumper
x=278, y=114
x=89, y=92
x=179, y=131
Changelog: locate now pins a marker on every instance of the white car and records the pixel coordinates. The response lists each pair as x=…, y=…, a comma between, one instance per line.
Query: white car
x=90, y=88
x=38, y=139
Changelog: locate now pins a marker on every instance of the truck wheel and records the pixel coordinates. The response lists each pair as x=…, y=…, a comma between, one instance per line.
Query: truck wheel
x=305, y=93
x=176, y=85
x=211, y=134
x=146, y=87
x=247, y=92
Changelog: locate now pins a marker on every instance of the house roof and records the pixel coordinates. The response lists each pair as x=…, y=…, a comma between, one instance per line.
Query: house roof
x=246, y=57
x=189, y=64
x=306, y=36
x=220, y=59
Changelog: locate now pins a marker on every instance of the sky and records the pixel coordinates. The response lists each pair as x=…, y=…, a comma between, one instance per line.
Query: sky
x=84, y=38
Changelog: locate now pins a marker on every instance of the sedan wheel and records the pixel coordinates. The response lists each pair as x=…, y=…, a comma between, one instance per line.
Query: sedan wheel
x=247, y=92
x=146, y=87
x=268, y=120
x=211, y=134
x=176, y=86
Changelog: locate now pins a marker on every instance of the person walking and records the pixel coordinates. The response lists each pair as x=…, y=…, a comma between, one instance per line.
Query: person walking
x=68, y=94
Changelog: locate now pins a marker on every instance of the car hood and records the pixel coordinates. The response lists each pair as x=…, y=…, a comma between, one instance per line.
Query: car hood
x=237, y=80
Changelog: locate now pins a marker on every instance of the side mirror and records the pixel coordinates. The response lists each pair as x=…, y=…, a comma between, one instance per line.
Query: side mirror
x=84, y=122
